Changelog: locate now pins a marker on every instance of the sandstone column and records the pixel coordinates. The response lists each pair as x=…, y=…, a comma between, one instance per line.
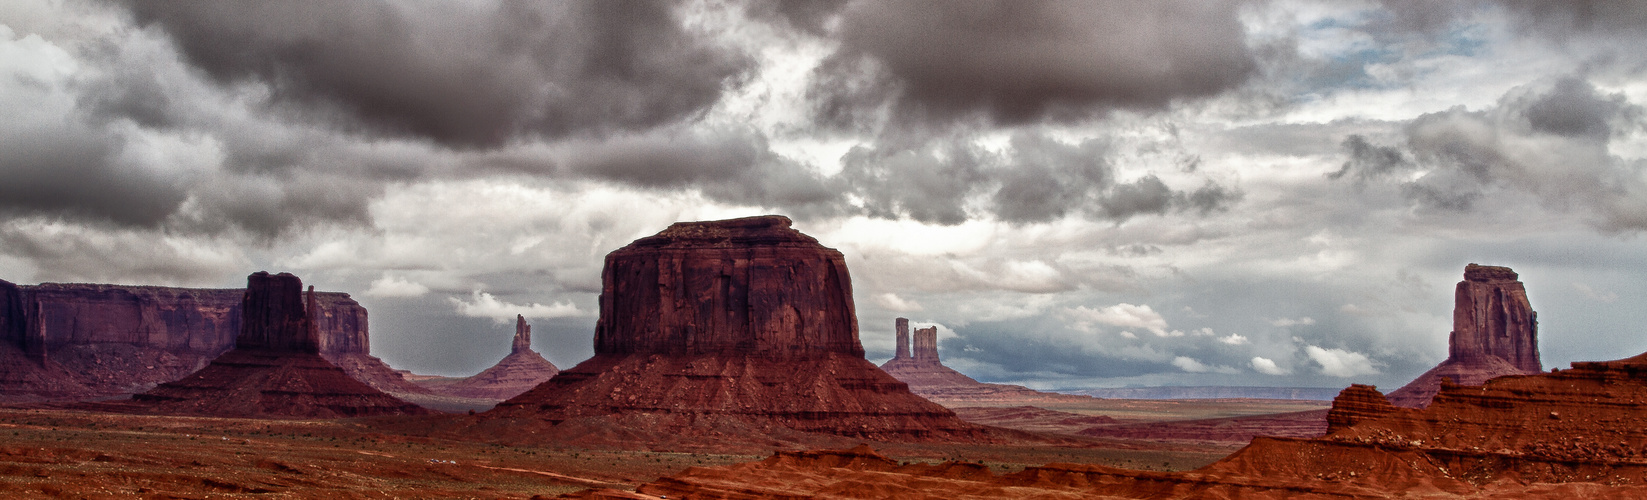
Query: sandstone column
x=1491, y=316
x=523, y=335
x=926, y=344
x=902, y=325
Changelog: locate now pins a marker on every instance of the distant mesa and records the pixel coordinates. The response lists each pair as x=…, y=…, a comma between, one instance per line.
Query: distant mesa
x=733, y=324
x=516, y=373
x=929, y=378
x=85, y=341
x=275, y=369
x=1495, y=333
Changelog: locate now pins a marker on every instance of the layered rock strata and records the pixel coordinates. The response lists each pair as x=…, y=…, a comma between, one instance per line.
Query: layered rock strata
x=275, y=369
x=742, y=322
x=516, y=373
x=1577, y=433
x=928, y=377
x=118, y=339
x=1495, y=333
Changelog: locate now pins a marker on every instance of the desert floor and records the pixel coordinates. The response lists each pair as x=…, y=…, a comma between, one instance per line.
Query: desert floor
x=52, y=452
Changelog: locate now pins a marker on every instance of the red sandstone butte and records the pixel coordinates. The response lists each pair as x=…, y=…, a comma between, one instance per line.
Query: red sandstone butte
x=275, y=369
x=742, y=323
x=121, y=339
x=516, y=373
x=1495, y=333
x=929, y=378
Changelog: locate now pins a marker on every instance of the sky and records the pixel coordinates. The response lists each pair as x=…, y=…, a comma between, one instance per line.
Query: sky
x=1079, y=194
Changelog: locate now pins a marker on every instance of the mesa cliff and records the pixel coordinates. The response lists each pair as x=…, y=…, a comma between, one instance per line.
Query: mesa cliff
x=927, y=377
x=1495, y=333
x=119, y=339
x=275, y=369
x=516, y=373
x=733, y=324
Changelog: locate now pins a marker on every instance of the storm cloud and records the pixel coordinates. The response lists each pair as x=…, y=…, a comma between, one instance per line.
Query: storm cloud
x=466, y=75
x=1547, y=140
x=1025, y=61
x=1080, y=193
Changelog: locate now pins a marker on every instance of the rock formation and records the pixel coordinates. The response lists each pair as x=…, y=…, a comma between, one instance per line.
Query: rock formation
x=919, y=367
x=119, y=339
x=1495, y=333
x=742, y=323
x=1576, y=433
x=275, y=368
x=516, y=373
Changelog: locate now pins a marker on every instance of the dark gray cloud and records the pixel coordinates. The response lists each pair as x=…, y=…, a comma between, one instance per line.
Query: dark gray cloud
x=1212, y=197
x=1558, y=20
x=1037, y=179
x=270, y=205
x=68, y=169
x=1574, y=108
x=929, y=184
x=729, y=165
x=1547, y=141
x=463, y=75
x=1561, y=19
x=1370, y=161
x=1049, y=178
x=78, y=253
x=1024, y=61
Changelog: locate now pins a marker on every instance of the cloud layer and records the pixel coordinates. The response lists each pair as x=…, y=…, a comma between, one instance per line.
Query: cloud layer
x=1081, y=193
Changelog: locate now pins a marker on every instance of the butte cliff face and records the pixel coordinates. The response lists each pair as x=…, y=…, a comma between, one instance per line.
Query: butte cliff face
x=117, y=339
x=1495, y=333
x=275, y=369
x=744, y=323
x=919, y=367
x=516, y=373
x=749, y=285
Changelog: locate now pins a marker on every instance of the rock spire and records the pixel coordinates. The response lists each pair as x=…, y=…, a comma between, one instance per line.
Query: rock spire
x=919, y=367
x=902, y=326
x=516, y=373
x=1495, y=333
x=523, y=335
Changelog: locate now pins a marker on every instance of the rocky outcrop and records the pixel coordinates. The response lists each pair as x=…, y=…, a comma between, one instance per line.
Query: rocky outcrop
x=120, y=339
x=1495, y=333
x=919, y=367
x=275, y=369
x=744, y=323
x=1356, y=403
x=516, y=373
x=1575, y=433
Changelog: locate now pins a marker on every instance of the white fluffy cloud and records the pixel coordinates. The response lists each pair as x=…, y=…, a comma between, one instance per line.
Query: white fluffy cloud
x=892, y=302
x=1193, y=365
x=1267, y=366
x=1125, y=316
x=1341, y=363
x=485, y=305
x=393, y=286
